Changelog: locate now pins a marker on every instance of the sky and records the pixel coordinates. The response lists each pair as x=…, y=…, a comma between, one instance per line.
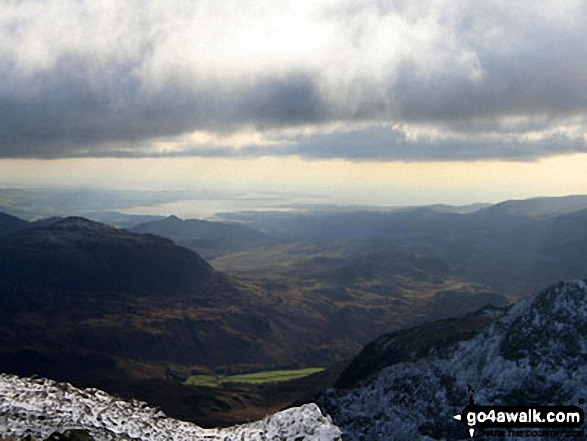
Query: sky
x=372, y=102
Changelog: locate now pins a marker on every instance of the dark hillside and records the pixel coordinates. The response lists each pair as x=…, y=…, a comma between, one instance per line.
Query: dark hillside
x=89, y=290
x=10, y=224
x=77, y=255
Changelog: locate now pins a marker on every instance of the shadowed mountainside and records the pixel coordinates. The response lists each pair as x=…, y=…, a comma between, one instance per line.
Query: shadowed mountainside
x=82, y=289
x=97, y=306
x=10, y=224
x=510, y=249
x=81, y=301
x=414, y=343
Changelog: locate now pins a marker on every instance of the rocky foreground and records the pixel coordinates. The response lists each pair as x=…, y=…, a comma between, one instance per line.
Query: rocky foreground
x=39, y=407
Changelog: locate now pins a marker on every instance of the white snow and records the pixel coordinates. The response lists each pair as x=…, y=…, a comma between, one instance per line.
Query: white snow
x=38, y=407
x=394, y=404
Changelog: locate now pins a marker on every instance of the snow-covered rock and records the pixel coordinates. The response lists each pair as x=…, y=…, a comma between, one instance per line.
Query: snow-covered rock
x=536, y=353
x=38, y=407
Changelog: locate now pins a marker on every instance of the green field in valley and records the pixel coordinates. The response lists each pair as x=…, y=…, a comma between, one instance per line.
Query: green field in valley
x=252, y=378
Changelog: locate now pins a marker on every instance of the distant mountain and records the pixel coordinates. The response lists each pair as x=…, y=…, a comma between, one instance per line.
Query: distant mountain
x=328, y=225
x=364, y=223
x=10, y=224
x=121, y=220
x=506, y=251
x=541, y=206
x=409, y=384
x=206, y=237
x=567, y=238
x=443, y=208
x=367, y=224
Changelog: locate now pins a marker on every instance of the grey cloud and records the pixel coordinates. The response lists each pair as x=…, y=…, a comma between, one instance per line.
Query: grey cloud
x=385, y=144
x=277, y=102
x=539, y=69
x=381, y=145
x=72, y=113
x=85, y=106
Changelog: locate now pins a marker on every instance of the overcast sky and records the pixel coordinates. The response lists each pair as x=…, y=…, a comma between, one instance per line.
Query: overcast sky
x=224, y=88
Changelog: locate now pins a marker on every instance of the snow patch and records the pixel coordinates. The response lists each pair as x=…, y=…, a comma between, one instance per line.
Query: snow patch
x=536, y=352
x=38, y=407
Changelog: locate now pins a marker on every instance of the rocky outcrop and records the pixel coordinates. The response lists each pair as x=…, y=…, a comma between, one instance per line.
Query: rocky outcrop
x=39, y=407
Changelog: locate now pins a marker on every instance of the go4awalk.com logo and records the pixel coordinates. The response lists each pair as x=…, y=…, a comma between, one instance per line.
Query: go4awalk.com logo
x=516, y=420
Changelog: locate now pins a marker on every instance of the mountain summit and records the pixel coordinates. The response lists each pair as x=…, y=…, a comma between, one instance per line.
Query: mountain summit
x=79, y=299
x=76, y=254
x=207, y=237
x=535, y=354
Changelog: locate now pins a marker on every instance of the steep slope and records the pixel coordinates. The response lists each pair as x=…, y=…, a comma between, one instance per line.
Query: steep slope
x=82, y=301
x=39, y=407
x=10, y=224
x=567, y=240
x=75, y=254
x=534, y=354
x=412, y=344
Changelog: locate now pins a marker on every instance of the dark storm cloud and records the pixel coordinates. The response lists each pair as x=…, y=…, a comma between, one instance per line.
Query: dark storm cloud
x=73, y=115
x=281, y=101
x=487, y=75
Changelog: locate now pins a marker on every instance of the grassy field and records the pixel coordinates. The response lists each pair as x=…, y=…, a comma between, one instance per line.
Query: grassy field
x=253, y=378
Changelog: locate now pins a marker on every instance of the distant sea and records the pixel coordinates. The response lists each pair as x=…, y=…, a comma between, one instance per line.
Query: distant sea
x=219, y=206
x=209, y=208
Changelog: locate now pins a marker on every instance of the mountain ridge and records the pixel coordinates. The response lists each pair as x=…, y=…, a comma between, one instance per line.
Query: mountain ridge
x=535, y=353
x=541, y=206
x=75, y=253
x=411, y=344
x=10, y=224
x=206, y=237
x=79, y=287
